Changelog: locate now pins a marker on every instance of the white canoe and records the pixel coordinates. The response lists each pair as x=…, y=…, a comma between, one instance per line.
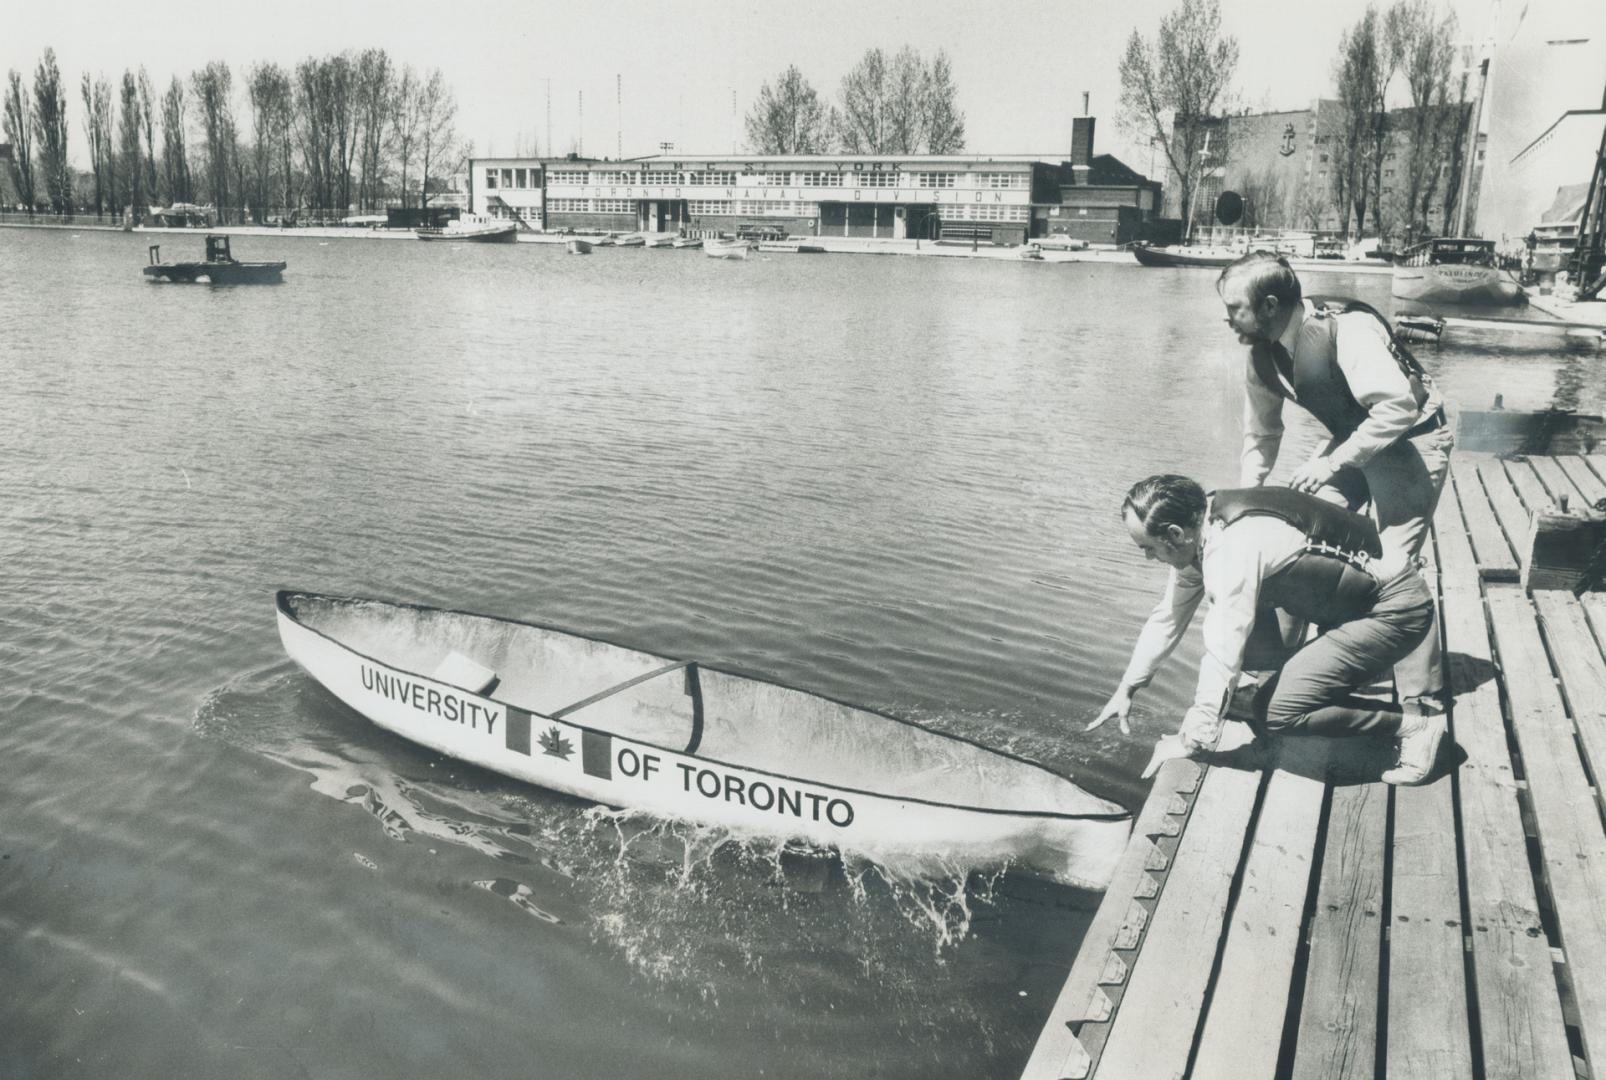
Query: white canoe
x=680, y=740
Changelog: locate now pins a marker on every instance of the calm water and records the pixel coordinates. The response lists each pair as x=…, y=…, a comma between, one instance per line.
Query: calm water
x=892, y=481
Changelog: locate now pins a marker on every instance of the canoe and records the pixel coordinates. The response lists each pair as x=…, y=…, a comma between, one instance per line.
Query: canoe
x=681, y=740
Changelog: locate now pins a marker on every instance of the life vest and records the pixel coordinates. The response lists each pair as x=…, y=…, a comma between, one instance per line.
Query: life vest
x=1328, y=582
x=1319, y=383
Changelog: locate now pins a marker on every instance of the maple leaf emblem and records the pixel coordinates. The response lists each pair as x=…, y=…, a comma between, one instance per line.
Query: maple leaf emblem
x=553, y=742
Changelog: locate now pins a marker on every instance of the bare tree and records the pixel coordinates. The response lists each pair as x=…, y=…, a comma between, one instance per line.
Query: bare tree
x=789, y=118
x=339, y=83
x=213, y=93
x=147, y=123
x=1362, y=72
x=175, y=153
x=1264, y=200
x=862, y=115
x=1423, y=43
x=945, y=124
x=18, y=124
x=404, y=133
x=268, y=90
x=314, y=131
x=374, y=93
x=131, y=170
x=1185, y=75
x=50, y=133
x=440, y=152
x=899, y=106
x=904, y=108
x=97, y=95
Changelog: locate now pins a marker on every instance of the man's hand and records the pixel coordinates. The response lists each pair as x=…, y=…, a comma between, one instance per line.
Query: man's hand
x=1118, y=706
x=1312, y=475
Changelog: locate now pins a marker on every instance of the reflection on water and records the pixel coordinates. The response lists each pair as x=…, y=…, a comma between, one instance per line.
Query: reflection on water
x=893, y=482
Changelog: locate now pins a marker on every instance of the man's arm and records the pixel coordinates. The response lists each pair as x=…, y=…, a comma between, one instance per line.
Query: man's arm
x=1232, y=577
x=1263, y=429
x=1166, y=624
x=1376, y=381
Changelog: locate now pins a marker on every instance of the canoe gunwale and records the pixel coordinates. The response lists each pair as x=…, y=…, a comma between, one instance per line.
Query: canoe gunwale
x=285, y=610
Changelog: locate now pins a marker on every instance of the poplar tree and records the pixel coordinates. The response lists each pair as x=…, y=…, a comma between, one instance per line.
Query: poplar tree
x=50, y=133
x=132, y=168
x=213, y=87
x=18, y=123
x=175, y=160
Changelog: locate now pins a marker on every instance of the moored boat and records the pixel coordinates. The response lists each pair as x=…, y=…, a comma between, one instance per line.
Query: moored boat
x=684, y=741
x=577, y=247
x=1454, y=270
x=659, y=240
x=631, y=240
x=1182, y=256
x=219, y=267
x=475, y=230
x=727, y=249
x=687, y=242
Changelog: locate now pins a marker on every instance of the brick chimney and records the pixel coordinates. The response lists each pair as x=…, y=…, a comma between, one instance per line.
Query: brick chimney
x=1081, y=149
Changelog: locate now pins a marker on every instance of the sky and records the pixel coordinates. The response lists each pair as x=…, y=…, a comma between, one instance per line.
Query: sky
x=622, y=76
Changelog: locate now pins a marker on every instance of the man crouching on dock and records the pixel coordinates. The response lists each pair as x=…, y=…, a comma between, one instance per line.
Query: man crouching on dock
x=1255, y=552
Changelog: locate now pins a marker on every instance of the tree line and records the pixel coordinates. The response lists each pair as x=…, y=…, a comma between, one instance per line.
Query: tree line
x=348, y=131
x=887, y=104
x=1176, y=91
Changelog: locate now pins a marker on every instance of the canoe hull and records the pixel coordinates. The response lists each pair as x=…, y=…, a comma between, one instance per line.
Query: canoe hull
x=1078, y=847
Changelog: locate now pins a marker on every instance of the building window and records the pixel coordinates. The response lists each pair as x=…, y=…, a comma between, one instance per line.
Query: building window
x=770, y=178
x=567, y=177
x=986, y=212
x=568, y=206
x=1001, y=180
x=820, y=179
x=878, y=179
x=936, y=179
x=661, y=178
x=775, y=208
x=490, y=179
x=613, y=206
x=709, y=206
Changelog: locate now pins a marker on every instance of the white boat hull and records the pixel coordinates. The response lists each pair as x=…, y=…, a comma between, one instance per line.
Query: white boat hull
x=833, y=776
x=1451, y=283
x=726, y=249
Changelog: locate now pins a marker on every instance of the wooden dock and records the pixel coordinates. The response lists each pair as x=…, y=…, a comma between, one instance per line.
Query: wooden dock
x=1281, y=913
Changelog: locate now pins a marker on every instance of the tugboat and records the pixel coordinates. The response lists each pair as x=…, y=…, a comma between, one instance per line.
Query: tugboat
x=220, y=268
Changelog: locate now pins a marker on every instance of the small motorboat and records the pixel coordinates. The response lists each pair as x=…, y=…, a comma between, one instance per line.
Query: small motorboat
x=1456, y=270
x=220, y=267
x=659, y=240
x=475, y=230
x=727, y=249
x=794, y=247
x=680, y=740
x=687, y=242
x=631, y=240
x=577, y=247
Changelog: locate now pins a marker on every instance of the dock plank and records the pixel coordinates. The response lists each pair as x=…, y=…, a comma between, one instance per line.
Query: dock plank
x=1519, y=1009
x=1535, y=498
x=1153, y=1032
x=1588, y=483
x=1061, y=1054
x=1571, y=840
x=1494, y=552
x=1508, y=508
x=1557, y=481
x=1243, y=1026
x=1581, y=667
x=1338, y=1022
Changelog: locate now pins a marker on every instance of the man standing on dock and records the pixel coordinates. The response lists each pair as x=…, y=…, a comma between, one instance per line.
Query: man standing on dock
x=1388, y=428
x=1261, y=552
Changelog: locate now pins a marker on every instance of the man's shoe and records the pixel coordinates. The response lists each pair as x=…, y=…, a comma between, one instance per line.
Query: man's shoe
x=1421, y=734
